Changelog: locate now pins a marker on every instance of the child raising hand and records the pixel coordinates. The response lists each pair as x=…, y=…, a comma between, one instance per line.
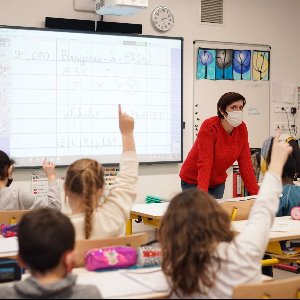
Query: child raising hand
x=84, y=186
x=201, y=255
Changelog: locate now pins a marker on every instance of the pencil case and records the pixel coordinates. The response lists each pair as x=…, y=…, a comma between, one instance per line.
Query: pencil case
x=110, y=258
x=8, y=231
x=149, y=255
x=295, y=213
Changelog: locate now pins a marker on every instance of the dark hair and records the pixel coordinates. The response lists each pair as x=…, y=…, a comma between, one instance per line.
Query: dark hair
x=84, y=177
x=290, y=167
x=190, y=232
x=228, y=99
x=44, y=235
x=5, y=163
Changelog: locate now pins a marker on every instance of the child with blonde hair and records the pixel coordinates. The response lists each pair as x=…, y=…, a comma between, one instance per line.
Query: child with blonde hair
x=84, y=188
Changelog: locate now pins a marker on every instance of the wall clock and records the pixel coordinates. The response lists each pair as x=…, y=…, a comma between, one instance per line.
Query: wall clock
x=162, y=18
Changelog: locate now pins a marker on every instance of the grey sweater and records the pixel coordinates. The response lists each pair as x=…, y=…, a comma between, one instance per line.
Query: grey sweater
x=14, y=198
x=64, y=289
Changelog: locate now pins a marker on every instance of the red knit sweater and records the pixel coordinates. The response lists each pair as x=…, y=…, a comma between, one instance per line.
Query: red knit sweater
x=214, y=152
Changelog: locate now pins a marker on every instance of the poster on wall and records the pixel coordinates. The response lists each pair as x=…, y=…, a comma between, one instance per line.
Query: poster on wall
x=233, y=64
x=224, y=64
x=261, y=65
x=242, y=64
x=206, y=64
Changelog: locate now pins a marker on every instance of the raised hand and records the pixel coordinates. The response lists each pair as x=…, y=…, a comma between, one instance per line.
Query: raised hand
x=49, y=169
x=126, y=123
x=280, y=153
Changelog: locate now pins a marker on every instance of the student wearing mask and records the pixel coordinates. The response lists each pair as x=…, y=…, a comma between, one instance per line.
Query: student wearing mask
x=221, y=141
x=14, y=198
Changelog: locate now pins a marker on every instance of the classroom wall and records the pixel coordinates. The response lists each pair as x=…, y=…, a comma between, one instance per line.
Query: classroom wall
x=273, y=22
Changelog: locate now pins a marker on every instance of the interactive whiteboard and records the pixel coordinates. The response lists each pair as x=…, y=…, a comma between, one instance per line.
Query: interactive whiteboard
x=59, y=95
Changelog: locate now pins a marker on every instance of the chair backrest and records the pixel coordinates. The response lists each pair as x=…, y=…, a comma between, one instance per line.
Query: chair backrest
x=11, y=216
x=238, y=210
x=277, y=289
x=83, y=246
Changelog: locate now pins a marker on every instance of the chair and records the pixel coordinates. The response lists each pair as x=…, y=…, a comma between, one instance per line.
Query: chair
x=82, y=246
x=11, y=216
x=238, y=210
x=277, y=289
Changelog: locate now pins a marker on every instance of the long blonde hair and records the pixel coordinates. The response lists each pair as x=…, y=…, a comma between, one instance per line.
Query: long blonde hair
x=84, y=178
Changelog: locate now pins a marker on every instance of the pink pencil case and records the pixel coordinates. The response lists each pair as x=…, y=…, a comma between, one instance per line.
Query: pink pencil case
x=110, y=258
x=295, y=213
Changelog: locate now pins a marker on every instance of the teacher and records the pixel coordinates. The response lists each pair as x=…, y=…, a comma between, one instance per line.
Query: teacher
x=221, y=141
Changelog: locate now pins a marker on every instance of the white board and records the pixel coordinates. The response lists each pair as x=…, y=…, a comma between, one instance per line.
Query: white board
x=59, y=94
x=257, y=94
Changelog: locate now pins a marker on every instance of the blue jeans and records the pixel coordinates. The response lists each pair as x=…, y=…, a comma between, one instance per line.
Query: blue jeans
x=217, y=191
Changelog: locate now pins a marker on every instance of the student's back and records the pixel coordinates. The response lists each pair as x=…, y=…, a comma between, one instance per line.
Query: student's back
x=65, y=289
x=291, y=193
x=84, y=189
x=108, y=219
x=15, y=198
x=46, y=240
x=201, y=256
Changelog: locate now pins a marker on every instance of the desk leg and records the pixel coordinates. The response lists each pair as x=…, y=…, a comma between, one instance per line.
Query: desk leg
x=129, y=227
x=270, y=262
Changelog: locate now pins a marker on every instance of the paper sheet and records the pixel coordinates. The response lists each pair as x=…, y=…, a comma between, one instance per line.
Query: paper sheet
x=283, y=92
x=237, y=199
x=113, y=284
x=9, y=245
x=151, y=277
x=280, y=228
x=239, y=226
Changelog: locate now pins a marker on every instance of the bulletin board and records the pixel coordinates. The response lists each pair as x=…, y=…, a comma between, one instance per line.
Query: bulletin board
x=257, y=93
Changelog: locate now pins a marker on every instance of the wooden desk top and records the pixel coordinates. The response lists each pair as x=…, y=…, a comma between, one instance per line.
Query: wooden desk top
x=284, y=228
x=155, y=211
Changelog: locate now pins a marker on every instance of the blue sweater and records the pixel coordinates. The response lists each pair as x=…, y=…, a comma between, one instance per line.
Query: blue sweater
x=289, y=199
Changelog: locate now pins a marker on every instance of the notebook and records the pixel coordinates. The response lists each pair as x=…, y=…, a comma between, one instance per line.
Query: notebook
x=9, y=246
x=126, y=283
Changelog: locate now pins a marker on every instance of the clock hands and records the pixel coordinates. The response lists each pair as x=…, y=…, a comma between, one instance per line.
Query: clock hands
x=163, y=19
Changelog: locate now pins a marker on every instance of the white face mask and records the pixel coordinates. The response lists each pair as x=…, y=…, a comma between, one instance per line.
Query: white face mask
x=234, y=118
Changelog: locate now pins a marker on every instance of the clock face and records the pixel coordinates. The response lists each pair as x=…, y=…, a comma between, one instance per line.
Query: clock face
x=162, y=18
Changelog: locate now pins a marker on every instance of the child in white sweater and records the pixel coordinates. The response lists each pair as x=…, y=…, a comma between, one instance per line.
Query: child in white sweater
x=84, y=183
x=14, y=198
x=201, y=255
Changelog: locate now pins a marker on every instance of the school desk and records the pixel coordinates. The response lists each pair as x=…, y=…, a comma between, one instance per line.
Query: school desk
x=151, y=214
x=284, y=229
x=148, y=283
x=150, y=278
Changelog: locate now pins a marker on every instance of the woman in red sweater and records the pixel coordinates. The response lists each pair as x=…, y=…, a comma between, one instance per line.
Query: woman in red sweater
x=221, y=141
